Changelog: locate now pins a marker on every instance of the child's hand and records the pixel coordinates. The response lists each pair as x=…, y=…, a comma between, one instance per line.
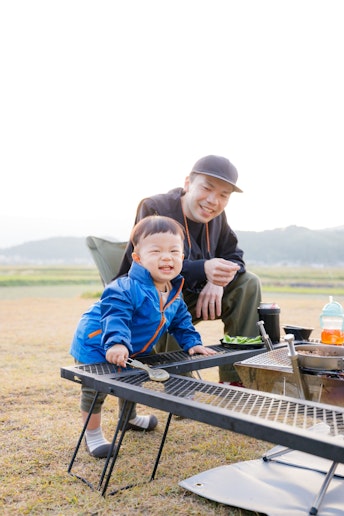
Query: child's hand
x=201, y=350
x=118, y=355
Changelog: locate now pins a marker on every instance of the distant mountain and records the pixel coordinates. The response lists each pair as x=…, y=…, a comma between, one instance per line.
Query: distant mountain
x=288, y=246
x=294, y=245
x=59, y=250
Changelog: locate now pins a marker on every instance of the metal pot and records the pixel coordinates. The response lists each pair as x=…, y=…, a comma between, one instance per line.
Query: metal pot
x=321, y=357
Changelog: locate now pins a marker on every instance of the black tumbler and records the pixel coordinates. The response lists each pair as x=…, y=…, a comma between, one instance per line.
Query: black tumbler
x=269, y=313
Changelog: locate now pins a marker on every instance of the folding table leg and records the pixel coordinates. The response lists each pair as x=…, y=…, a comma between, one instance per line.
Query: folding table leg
x=82, y=435
x=323, y=489
x=282, y=451
x=114, y=448
x=198, y=374
x=329, y=475
x=161, y=447
x=122, y=424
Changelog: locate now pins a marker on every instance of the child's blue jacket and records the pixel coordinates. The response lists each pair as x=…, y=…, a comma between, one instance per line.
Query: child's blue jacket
x=131, y=312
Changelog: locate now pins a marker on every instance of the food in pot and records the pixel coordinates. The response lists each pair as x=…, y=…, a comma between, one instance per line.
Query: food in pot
x=315, y=352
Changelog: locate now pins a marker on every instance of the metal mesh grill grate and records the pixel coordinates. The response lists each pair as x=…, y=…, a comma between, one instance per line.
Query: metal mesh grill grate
x=277, y=359
x=159, y=359
x=292, y=412
x=179, y=356
x=99, y=369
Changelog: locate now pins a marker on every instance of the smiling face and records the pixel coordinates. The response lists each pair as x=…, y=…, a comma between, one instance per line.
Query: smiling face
x=205, y=198
x=162, y=255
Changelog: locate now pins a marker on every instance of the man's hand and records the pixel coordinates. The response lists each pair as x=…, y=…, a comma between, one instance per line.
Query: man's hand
x=118, y=355
x=209, y=303
x=219, y=271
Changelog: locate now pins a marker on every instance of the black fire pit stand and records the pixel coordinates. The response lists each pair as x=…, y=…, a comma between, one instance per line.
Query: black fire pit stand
x=114, y=449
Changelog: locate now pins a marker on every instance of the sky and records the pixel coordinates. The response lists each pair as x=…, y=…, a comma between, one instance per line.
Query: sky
x=105, y=102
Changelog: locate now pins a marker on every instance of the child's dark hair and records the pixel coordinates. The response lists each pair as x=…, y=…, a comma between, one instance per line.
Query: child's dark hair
x=155, y=224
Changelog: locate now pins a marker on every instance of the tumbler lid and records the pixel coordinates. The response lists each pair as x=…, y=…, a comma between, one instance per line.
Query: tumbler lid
x=269, y=308
x=268, y=305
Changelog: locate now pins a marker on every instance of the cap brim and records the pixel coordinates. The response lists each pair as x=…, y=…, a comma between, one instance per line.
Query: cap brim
x=236, y=188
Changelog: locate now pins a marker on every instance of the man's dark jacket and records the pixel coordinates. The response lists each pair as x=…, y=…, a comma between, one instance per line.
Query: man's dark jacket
x=222, y=239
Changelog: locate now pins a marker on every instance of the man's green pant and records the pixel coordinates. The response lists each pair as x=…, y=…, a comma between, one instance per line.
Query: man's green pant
x=240, y=301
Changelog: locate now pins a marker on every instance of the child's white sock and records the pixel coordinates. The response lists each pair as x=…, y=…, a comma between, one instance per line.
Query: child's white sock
x=142, y=421
x=95, y=438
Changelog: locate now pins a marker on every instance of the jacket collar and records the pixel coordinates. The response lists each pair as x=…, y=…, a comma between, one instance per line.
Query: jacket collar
x=139, y=273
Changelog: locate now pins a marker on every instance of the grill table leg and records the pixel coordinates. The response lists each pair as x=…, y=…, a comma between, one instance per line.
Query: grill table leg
x=282, y=451
x=167, y=426
x=323, y=489
x=122, y=423
x=110, y=464
x=198, y=374
x=329, y=475
x=157, y=460
x=81, y=437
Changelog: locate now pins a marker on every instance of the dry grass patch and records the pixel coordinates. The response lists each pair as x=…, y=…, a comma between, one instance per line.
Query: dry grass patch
x=40, y=424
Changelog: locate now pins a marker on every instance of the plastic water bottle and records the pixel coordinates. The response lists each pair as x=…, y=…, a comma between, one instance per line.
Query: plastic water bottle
x=332, y=323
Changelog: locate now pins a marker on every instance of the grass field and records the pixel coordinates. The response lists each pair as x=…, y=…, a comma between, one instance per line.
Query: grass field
x=40, y=420
x=274, y=279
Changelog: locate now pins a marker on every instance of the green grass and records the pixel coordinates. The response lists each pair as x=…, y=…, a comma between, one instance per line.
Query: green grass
x=12, y=276
x=302, y=280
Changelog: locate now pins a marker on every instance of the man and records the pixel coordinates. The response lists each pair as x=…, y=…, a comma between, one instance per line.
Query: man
x=217, y=284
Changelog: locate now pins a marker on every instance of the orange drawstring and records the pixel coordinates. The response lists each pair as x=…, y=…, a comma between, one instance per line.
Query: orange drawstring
x=188, y=233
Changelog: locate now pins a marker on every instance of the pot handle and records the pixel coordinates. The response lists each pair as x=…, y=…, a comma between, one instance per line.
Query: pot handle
x=290, y=341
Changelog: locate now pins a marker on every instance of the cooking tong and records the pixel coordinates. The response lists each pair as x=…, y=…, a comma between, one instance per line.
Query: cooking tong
x=301, y=385
x=157, y=375
x=265, y=336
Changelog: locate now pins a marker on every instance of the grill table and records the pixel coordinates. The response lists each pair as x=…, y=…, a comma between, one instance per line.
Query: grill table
x=274, y=418
x=273, y=372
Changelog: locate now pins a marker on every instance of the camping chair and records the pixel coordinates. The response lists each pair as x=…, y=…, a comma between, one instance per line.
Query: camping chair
x=107, y=255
